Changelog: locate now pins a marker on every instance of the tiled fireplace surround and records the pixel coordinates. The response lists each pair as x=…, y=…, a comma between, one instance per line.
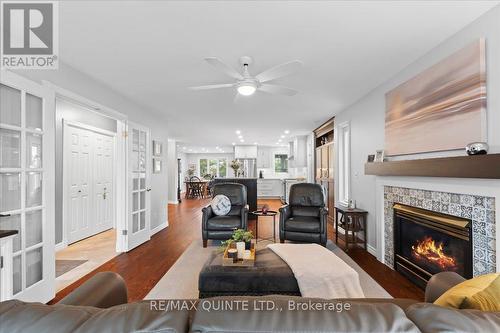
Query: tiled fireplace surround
x=480, y=209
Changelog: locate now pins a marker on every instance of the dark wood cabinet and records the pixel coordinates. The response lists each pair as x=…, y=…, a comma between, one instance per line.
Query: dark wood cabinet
x=325, y=165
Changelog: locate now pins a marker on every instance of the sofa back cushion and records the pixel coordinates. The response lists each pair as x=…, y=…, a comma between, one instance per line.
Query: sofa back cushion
x=17, y=316
x=434, y=318
x=263, y=314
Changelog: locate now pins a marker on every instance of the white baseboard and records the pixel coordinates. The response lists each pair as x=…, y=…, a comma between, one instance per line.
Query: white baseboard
x=159, y=228
x=61, y=246
x=173, y=202
x=371, y=250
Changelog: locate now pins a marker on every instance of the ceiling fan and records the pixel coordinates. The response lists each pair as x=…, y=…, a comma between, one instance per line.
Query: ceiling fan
x=246, y=84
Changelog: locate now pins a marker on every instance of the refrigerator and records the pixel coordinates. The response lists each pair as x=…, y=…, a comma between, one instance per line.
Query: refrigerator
x=248, y=167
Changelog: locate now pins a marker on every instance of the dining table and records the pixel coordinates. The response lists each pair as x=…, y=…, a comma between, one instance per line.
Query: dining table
x=202, y=182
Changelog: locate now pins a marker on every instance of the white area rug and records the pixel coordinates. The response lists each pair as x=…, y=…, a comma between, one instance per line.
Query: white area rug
x=181, y=281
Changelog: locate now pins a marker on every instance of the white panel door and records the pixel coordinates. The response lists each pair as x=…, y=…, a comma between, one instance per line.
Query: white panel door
x=103, y=182
x=89, y=168
x=26, y=186
x=139, y=187
x=78, y=182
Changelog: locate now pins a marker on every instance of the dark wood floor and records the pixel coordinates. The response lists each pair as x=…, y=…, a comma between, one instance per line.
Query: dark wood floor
x=143, y=267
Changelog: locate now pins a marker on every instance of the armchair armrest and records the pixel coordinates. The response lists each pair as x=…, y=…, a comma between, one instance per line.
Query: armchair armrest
x=323, y=214
x=439, y=283
x=207, y=213
x=103, y=290
x=244, y=217
x=285, y=214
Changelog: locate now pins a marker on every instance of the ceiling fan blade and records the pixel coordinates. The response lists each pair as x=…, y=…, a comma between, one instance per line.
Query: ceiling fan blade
x=213, y=86
x=217, y=63
x=279, y=90
x=279, y=71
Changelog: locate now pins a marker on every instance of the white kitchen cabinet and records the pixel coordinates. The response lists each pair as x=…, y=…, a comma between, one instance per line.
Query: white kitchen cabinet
x=269, y=188
x=245, y=151
x=263, y=158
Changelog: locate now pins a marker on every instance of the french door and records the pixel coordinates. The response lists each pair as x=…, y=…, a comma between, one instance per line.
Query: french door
x=139, y=185
x=27, y=186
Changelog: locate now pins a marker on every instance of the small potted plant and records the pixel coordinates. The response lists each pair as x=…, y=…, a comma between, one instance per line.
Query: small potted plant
x=235, y=165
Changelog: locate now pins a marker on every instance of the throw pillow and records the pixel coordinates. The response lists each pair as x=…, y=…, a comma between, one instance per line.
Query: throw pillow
x=480, y=293
x=221, y=205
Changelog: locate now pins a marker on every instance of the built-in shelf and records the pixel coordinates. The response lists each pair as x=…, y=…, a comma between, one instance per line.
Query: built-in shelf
x=479, y=166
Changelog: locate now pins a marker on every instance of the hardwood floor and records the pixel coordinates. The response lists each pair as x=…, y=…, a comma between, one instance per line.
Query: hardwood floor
x=143, y=267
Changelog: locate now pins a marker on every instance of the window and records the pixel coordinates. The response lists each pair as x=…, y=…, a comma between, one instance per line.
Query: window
x=213, y=167
x=344, y=149
x=280, y=163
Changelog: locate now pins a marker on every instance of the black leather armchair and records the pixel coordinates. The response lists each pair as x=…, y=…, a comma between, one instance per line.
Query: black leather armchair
x=222, y=227
x=304, y=219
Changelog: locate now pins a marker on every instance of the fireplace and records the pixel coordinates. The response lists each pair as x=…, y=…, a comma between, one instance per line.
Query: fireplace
x=427, y=243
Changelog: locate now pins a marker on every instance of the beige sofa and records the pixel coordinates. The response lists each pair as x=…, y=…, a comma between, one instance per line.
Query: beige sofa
x=99, y=305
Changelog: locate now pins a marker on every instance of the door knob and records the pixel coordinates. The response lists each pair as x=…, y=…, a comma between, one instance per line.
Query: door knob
x=148, y=189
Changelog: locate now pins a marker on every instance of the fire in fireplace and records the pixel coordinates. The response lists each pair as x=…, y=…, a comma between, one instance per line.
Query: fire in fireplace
x=428, y=251
x=427, y=242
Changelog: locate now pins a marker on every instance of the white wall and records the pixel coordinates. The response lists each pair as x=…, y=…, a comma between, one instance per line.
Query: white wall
x=367, y=115
x=71, y=79
x=171, y=163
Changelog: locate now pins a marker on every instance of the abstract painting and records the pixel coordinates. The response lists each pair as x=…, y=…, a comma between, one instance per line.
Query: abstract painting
x=442, y=108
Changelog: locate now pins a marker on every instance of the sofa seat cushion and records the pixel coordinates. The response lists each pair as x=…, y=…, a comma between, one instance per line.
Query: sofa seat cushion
x=17, y=316
x=303, y=224
x=225, y=222
x=433, y=318
x=297, y=314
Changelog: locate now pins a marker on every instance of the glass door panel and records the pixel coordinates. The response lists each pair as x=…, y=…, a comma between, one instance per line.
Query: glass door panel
x=33, y=189
x=10, y=106
x=13, y=222
x=10, y=144
x=33, y=150
x=34, y=114
x=10, y=189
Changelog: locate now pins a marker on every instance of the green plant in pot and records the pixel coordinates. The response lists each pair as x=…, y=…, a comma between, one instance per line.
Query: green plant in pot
x=241, y=235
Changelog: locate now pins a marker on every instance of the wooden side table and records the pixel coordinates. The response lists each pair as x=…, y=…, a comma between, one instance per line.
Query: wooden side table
x=353, y=220
x=270, y=213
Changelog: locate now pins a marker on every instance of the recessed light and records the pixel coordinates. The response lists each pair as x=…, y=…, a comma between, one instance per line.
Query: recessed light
x=233, y=143
x=217, y=147
x=183, y=147
x=282, y=136
x=287, y=131
x=238, y=132
x=240, y=136
x=279, y=140
x=242, y=140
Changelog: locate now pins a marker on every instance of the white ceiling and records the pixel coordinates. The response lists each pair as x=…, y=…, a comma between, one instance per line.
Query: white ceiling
x=151, y=51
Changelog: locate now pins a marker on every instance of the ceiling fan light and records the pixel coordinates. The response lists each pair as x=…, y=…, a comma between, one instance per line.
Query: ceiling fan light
x=246, y=89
